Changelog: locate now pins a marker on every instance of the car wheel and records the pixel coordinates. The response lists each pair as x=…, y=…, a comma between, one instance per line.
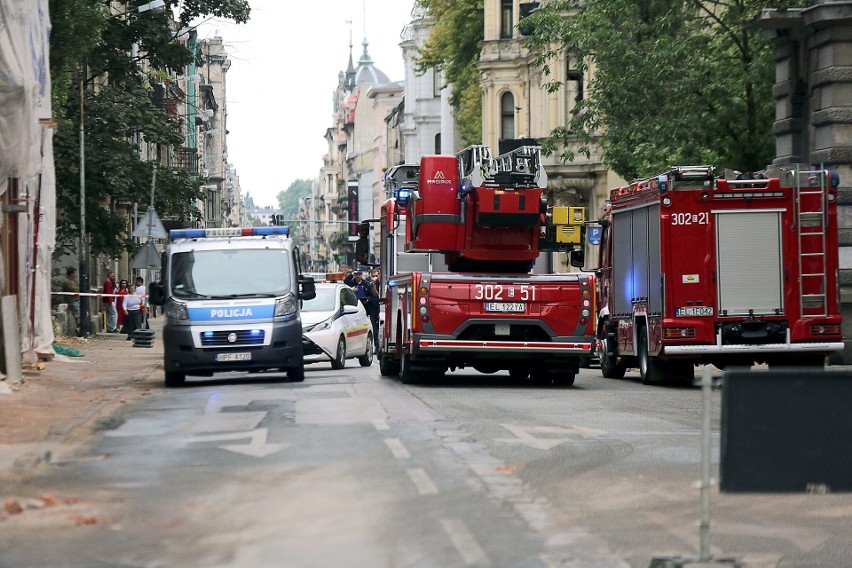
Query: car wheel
x=175, y=379
x=366, y=359
x=611, y=366
x=339, y=360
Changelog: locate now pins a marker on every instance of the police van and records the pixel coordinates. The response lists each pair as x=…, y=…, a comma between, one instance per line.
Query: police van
x=231, y=300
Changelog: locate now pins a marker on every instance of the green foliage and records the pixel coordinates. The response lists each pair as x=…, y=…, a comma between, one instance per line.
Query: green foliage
x=674, y=82
x=91, y=42
x=288, y=202
x=453, y=47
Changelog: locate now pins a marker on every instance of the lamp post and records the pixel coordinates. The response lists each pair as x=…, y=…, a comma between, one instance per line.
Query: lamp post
x=154, y=7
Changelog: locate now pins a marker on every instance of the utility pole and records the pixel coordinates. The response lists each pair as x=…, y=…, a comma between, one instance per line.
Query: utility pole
x=83, y=252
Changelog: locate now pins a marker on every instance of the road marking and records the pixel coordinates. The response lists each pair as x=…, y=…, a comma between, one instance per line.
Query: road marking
x=380, y=425
x=397, y=448
x=422, y=482
x=464, y=543
x=559, y=435
x=256, y=448
x=226, y=422
x=219, y=400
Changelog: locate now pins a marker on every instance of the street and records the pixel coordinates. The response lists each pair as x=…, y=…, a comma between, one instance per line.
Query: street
x=351, y=468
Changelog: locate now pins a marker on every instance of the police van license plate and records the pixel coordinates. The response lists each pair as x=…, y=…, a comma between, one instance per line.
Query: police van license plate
x=233, y=356
x=513, y=307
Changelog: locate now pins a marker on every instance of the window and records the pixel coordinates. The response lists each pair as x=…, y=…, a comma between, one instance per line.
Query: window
x=575, y=86
x=436, y=82
x=506, y=18
x=507, y=116
x=438, y=143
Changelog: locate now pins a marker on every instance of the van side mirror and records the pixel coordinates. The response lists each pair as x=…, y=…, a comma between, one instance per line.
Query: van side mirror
x=156, y=294
x=307, y=288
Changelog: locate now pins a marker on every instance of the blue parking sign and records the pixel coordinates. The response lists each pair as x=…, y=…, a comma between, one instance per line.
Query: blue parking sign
x=594, y=235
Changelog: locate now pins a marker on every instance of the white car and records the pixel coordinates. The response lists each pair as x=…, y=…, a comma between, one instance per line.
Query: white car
x=336, y=327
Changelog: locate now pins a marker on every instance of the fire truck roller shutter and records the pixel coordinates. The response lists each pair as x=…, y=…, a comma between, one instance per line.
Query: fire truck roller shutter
x=437, y=211
x=622, y=261
x=749, y=262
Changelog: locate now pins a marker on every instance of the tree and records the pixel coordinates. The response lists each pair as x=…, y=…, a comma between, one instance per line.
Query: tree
x=674, y=81
x=91, y=44
x=288, y=202
x=453, y=46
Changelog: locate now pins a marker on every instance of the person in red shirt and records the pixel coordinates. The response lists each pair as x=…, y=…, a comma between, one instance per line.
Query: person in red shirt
x=109, y=303
x=119, y=301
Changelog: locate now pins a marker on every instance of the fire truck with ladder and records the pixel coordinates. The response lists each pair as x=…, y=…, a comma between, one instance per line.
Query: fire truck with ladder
x=699, y=266
x=460, y=236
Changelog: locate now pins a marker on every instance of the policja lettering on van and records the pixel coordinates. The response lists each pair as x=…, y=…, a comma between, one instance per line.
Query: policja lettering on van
x=231, y=313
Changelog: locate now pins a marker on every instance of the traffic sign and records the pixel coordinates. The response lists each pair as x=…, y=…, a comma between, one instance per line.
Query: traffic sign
x=150, y=226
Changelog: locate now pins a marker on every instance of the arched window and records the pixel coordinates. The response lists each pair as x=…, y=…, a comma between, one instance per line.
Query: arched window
x=507, y=116
x=438, y=143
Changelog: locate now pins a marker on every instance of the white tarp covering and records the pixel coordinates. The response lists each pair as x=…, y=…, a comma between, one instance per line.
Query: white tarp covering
x=26, y=155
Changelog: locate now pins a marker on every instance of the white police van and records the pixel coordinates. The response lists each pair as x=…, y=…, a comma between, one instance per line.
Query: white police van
x=231, y=300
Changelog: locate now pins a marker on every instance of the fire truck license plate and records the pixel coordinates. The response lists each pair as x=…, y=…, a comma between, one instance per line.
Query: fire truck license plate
x=233, y=356
x=504, y=307
x=692, y=311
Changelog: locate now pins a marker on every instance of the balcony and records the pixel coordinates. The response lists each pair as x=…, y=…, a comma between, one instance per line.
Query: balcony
x=186, y=159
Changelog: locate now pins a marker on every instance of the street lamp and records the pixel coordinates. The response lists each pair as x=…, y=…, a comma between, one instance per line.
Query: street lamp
x=154, y=7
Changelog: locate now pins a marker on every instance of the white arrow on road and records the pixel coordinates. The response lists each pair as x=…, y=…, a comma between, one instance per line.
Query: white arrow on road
x=525, y=435
x=256, y=448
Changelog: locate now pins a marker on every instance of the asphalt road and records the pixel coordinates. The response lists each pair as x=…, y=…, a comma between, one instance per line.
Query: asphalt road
x=353, y=469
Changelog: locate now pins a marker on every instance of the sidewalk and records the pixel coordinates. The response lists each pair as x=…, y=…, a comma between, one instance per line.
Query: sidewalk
x=60, y=406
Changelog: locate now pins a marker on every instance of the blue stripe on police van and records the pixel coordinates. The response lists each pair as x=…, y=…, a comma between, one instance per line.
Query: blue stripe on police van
x=231, y=313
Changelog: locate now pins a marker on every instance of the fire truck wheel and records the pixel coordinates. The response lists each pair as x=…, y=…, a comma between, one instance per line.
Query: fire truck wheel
x=407, y=375
x=519, y=374
x=339, y=360
x=175, y=379
x=564, y=379
x=366, y=359
x=650, y=368
x=388, y=367
x=611, y=366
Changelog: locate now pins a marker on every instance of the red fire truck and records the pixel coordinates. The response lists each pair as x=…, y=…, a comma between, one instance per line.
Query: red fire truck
x=700, y=266
x=460, y=236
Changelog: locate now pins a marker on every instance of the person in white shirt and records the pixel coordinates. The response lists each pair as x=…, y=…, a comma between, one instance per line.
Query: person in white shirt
x=142, y=292
x=132, y=312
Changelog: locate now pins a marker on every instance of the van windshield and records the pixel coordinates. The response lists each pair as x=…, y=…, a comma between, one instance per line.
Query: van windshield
x=230, y=273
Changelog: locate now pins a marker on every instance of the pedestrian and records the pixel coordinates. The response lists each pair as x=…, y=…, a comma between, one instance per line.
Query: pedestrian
x=348, y=276
x=375, y=304
x=108, y=290
x=142, y=292
x=71, y=286
x=132, y=312
x=119, y=301
x=362, y=289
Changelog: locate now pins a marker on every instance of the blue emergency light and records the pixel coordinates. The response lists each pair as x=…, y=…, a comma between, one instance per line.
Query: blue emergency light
x=228, y=232
x=402, y=195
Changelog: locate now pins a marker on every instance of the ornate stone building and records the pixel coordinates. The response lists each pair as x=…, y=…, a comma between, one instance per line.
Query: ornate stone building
x=813, y=111
x=515, y=105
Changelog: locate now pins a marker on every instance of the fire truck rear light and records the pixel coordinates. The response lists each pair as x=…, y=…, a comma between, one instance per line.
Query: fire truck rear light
x=587, y=294
x=423, y=310
x=667, y=201
x=825, y=329
x=424, y=290
x=422, y=300
x=585, y=313
x=679, y=333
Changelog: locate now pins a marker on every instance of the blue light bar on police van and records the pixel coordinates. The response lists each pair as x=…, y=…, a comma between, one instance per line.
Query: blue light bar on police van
x=228, y=232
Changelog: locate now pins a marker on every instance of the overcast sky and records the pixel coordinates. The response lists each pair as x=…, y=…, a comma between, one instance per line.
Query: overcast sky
x=284, y=70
